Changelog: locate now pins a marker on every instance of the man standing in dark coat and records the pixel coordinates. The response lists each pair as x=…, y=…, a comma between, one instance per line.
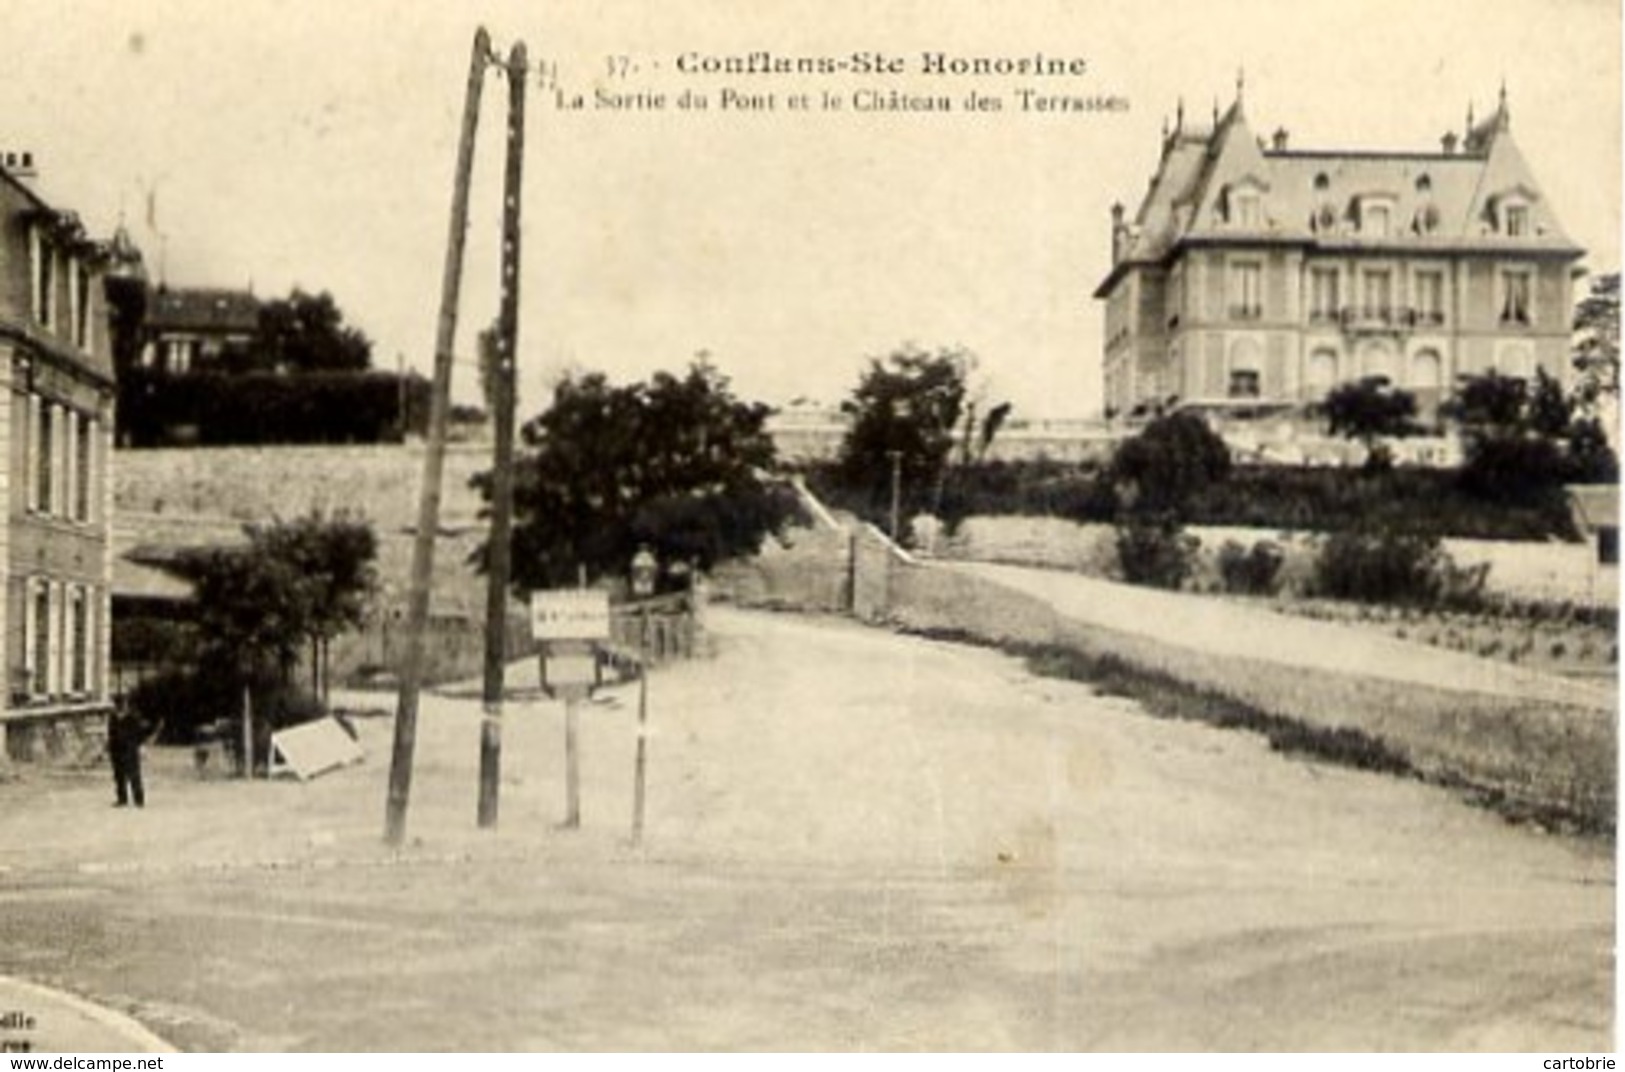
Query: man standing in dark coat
x=124, y=737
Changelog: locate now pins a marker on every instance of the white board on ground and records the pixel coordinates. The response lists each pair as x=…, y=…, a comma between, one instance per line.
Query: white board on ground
x=314, y=748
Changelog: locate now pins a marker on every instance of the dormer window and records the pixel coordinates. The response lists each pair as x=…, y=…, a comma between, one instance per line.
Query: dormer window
x=1246, y=210
x=1376, y=217
x=1508, y=212
x=1426, y=220
x=1242, y=204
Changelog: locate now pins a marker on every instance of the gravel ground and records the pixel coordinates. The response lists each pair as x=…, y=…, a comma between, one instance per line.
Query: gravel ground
x=855, y=841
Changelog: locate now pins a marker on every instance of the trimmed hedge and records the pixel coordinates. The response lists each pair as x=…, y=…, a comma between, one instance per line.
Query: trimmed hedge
x=1424, y=502
x=254, y=408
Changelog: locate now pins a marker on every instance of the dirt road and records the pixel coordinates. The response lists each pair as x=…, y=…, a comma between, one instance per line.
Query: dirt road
x=856, y=841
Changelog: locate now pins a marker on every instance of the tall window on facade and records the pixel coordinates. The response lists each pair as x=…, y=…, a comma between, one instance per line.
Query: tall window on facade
x=40, y=639
x=45, y=461
x=178, y=355
x=1246, y=291
x=43, y=272
x=82, y=468
x=1515, y=297
x=1323, y=294
x=81, y=306
x=79, y=625
x=1377, y=303
x=1430, y=297
x=70, y=463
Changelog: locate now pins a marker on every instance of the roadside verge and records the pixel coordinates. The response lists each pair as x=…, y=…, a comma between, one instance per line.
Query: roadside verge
x=1530, y=746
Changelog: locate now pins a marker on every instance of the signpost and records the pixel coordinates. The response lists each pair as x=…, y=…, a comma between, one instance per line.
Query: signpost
x=569, y=614
x=569, y=623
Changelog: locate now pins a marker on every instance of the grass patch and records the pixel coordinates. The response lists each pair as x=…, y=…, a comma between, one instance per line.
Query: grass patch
x=1166, y=696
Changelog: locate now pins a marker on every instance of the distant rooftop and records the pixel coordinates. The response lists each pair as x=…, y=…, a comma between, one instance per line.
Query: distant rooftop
x=204, y=309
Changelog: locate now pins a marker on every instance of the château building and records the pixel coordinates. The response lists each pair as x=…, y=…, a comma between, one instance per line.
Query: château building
x=1255, y=272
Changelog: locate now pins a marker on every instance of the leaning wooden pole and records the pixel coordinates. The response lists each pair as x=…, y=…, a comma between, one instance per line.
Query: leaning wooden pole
x=434, y=456
x=497, y=552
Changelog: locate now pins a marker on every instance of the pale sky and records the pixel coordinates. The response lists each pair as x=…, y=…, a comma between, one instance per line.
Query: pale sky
x=313, y=143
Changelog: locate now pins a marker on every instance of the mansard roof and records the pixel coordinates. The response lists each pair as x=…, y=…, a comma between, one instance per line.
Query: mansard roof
x=207, y=310
x=1446, y=201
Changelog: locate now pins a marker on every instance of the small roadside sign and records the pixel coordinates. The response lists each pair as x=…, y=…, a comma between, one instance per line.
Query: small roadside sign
x=313, y=748
x=569, y=614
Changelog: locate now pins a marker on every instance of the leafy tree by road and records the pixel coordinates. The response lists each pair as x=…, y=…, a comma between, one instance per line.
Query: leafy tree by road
x=677, y=464
x=906, y=412
x=333, y=562
x=293, y=583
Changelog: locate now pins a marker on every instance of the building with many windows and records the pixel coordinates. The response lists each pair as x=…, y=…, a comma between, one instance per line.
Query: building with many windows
x=1259, y=274
x=55, y=491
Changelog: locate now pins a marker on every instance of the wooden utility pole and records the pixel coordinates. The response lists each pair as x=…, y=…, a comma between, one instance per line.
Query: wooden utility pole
x=896, y=457
x=497, y=546
x=434, y=456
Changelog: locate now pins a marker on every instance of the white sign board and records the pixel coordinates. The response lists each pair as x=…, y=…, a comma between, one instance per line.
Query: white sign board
x=314, y=748
x=569, y=614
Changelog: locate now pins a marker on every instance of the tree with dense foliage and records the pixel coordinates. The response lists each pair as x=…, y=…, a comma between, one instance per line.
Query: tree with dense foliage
x=307, y=333
x=299, y=581
x=905, y=412
x=1596, y=344
x=1171, y=461
x=1155, y=476
x=1489, y=404
x=1370, y=410
x=257, y=605
x=1524, y=443
x=334, y=561
x=677, y=464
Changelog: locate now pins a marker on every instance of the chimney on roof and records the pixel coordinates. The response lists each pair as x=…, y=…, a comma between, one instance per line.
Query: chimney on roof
x=1448, y=143
x=1119, y=233
x=20, y=166
x=1278, y=140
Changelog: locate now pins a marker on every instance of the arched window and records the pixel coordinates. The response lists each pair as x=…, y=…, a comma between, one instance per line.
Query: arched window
x=1321, y=375
x=1427, y=370
x=1378, y=359
x=1246, y=374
